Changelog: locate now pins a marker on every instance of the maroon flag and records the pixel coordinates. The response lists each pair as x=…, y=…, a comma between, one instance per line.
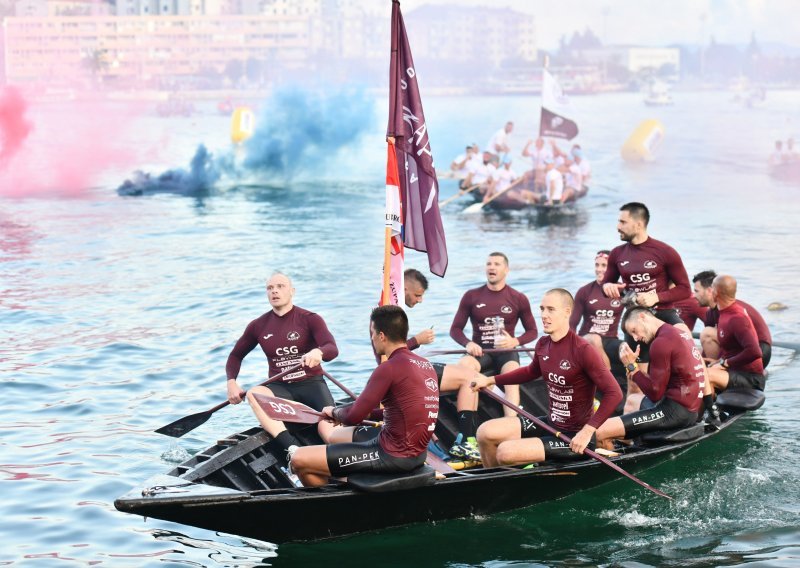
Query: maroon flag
x=422, y=223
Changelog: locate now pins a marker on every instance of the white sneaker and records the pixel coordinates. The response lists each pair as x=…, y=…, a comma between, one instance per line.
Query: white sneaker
x=289, y=453
x=292, y=477
x=288, y=469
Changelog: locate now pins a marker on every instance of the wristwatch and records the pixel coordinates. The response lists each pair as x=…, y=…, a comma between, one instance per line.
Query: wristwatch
x=631, y=367
x=723, y=363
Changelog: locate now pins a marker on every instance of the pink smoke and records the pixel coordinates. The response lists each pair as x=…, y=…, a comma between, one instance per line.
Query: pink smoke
x=14, y=126
x=61, y=148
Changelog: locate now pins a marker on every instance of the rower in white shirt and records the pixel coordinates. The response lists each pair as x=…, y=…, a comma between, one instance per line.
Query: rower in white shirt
x=481, y=174
x=459, y=164
x=538, y=153
x=499, y=143
x=503, y=177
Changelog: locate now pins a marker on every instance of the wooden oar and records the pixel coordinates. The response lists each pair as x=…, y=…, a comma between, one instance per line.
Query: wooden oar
x=345, y=390
x=188, y=423
x=286, y=410
x=433, y=460
x=477, y=207
x=781, y=344
x=465, y=352
x=459, y=194
x=567, y=439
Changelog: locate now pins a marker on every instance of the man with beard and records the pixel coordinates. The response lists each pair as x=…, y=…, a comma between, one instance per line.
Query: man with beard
x=493, y=310
x=671, y=390
x=652, y=272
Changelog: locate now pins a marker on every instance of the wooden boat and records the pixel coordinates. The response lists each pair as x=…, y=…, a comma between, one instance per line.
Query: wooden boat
x=239, y=485
x=512, y=200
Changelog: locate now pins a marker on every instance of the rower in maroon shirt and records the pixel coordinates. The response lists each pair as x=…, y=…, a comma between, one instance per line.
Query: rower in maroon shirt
x=493, y=311
x=740, y=364
x=650, y=270
x=708, y=337
x=672, y=389
x=573, y=371
x=405, y=384
x=288, y=335
x=600, y=314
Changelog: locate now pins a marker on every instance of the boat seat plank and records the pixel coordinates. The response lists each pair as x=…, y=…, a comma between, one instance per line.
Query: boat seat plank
x=230, y=454
x=660, y=437
x=260, y=464
x=382, y=482
x=741, y=399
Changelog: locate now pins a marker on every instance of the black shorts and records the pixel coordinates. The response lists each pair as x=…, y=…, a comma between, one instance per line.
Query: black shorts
x=357, y=457
x=439, y=369
x=744, y=380
x=554, y=448
x=312, y=391
x=665, y=414
x=766, y=352
x=492, y=363
x=669, y=316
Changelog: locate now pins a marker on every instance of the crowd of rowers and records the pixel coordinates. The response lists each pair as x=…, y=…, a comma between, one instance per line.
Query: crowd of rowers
x=666, y=381
x=554, y=176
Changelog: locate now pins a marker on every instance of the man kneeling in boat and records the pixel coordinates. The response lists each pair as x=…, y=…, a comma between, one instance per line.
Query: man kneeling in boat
x=405, y=384
x=573, y=371
x=672, y=390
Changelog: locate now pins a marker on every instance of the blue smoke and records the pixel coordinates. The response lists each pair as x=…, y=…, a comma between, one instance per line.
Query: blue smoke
x=297, y=132
x=302, y=130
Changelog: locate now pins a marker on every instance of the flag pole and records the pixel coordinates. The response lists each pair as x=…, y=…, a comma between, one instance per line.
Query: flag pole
x=387, y=250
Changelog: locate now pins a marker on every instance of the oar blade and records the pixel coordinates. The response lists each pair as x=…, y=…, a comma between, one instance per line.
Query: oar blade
x=287, y=410
x=474, y=208
x=183, y=425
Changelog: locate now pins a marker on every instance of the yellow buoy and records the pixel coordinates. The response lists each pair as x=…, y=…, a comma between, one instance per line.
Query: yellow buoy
x=642, y=144
x=243, y=123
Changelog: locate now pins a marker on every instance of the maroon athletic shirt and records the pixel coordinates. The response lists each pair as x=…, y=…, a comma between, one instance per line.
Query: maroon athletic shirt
x=762, y=330
x=405, y=384
x=480, y=305
x=651, y=265
x=284, y=339
x=738, y=341
x=600, y=313
x=676, y=369
x=572, y=370
x=690, y=311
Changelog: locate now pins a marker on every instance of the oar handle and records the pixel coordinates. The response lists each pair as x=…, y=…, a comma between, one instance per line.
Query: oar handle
x=346, y=390
x=272, y=379
x=568, y=440
x=489, y=350
x=502, y=191
x=459, y=194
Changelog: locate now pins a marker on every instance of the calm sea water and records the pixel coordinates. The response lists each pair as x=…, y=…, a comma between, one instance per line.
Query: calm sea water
x=118, y=314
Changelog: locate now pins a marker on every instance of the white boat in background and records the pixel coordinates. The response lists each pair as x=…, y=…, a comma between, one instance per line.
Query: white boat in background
x=658, y=95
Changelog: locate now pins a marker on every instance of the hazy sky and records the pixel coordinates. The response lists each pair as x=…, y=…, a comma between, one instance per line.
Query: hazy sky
x=654, y=22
